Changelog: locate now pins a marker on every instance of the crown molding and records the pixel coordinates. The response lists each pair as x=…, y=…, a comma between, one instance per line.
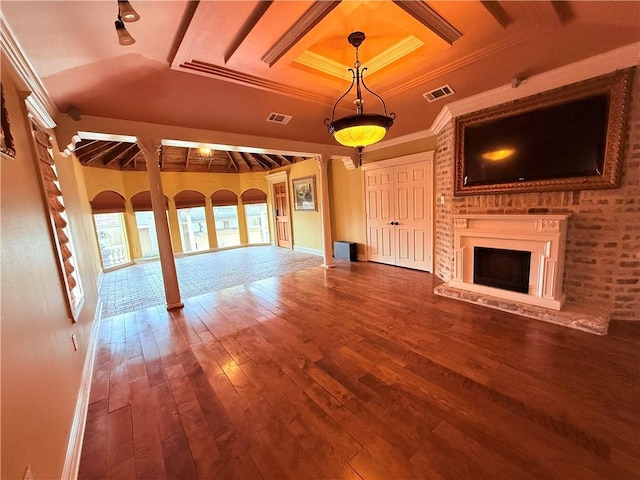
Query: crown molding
x=420, y=135
x=222, y=73
x=348, y=161
x=620, y=58
x=38, y=102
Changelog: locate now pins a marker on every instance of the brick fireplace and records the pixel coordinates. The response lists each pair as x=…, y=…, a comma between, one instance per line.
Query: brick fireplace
x=602, y=249
x=541, y=238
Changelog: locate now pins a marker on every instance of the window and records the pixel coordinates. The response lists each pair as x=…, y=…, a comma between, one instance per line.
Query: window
x=147, y=234
x=257, y=223
x=112, y=239
x=193, y=229
x=226, y=219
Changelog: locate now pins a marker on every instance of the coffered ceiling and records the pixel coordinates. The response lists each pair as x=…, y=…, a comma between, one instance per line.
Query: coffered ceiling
x=227, y=66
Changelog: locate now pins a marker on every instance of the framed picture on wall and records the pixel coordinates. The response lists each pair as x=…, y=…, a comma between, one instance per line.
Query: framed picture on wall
x=6, y=139
x=304, y=193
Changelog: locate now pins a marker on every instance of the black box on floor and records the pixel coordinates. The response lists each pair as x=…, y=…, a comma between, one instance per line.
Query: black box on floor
x=345, y=251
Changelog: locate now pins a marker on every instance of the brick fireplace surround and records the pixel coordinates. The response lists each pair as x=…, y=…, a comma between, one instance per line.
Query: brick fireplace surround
x=602, y=258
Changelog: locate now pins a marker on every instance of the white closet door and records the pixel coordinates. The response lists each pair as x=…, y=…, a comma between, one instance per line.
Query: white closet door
x=411, y=199
x=380, y=215
x=398, y=209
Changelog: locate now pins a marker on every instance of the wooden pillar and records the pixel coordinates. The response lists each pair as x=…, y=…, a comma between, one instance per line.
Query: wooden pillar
x=151, y=150
x=174, y=227
x=243, y=231
x=131, y=227
x=325, y=212
x=211, y=223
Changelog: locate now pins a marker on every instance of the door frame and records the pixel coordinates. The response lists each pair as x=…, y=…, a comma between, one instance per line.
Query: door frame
x=427, y=157
x=274, y=178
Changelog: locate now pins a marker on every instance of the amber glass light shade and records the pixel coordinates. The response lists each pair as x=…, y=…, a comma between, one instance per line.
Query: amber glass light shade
x=360, y=130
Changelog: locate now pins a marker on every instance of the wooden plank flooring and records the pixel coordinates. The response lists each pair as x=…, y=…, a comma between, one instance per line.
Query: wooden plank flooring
x=357, y=372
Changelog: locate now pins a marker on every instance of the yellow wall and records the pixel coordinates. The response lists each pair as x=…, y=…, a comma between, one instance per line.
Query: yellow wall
x=41, y=372
x=307, y=225
x=347, y=205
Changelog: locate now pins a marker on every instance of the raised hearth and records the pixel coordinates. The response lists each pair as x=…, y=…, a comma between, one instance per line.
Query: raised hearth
x=585, y=321
x=541, y=236
x=538, y=239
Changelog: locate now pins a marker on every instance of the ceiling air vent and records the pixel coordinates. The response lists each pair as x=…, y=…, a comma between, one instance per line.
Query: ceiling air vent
x=438, y=93
x=278, y=118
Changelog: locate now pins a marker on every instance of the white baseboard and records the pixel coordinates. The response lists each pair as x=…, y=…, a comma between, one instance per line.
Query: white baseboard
x=312, y=251
x=74, y=447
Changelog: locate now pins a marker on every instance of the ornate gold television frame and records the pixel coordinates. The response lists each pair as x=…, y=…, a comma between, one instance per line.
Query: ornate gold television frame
x=617, y=85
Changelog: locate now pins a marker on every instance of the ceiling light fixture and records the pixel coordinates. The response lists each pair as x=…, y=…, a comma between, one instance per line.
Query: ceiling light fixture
x=124, y=37
x=362, y=129
x=126, y=11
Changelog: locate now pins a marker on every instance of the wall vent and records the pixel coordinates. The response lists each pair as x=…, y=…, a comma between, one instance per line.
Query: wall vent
x=438, y=93
x=278, y=118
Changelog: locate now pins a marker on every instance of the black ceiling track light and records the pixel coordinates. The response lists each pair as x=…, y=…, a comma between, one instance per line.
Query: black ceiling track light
x=126, y=13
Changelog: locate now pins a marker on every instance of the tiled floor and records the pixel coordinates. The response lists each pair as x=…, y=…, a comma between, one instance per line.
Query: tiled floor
x=140, y=286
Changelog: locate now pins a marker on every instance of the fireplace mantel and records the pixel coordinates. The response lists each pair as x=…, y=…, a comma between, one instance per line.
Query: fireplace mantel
x=542, y=235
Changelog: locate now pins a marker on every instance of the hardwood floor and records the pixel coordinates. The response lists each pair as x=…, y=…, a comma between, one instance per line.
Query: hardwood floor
x=357, y=372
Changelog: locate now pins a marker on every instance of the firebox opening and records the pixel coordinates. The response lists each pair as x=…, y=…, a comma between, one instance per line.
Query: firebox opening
x=499, y=268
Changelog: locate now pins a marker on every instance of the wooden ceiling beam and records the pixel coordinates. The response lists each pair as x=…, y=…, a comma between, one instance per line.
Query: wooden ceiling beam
x=116, y=153
x=213, y=153
x=270, y=160
x=84, y=144
x=129, y=157
x=186, y=160
x=283, y=160
x=95, y=151
x=232, y=162
x=261, y=163
x=497, y=12
x=303, y=25
x=255, y=16
x=430, y=19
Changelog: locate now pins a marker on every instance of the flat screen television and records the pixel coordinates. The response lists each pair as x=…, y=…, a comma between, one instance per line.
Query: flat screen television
x=565, y=139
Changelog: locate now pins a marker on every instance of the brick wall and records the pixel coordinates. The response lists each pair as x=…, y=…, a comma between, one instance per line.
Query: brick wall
x=602, y=269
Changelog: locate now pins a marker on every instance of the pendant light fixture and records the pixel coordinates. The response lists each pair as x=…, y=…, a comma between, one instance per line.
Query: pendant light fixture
x=362, y=129
x=126, y=13
x=124, y=37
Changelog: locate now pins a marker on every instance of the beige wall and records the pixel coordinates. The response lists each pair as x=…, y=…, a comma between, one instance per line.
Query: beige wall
x=347, y=205
x=306, y=225
x=41, y=372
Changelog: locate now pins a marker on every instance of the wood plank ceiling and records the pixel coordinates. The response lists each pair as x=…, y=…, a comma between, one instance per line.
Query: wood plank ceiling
x=129, y=157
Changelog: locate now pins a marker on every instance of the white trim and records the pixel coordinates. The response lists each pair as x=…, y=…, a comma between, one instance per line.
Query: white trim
x=38, y=102
x=99, y=280
x=595, y=66
x=312, y=251
x=74, y=446
x=392, y=162
x=602, y=64
x=346, y=160
x=422, y=134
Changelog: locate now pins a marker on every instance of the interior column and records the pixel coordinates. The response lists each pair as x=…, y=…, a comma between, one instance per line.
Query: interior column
x=151, y=150
x=325, y=212
x=211, y=224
